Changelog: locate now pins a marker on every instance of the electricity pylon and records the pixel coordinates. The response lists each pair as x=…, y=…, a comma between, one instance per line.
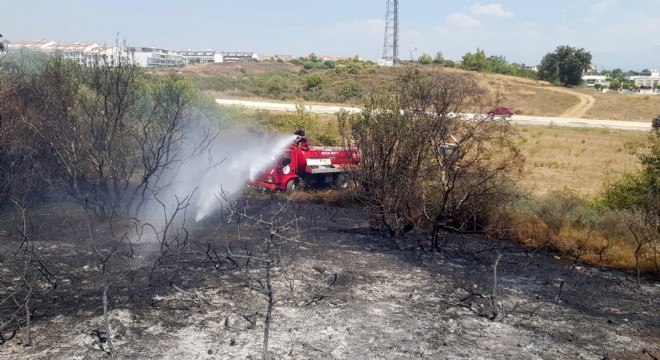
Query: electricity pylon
x=391, y=44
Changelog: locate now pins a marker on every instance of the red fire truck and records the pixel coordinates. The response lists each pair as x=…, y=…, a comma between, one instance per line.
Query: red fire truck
x=308, y=165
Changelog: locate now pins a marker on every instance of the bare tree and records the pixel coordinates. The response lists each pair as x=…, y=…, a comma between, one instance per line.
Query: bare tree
x=643, y=227
x=114, y=261
x=258, y=264
x=34, y=279
x=171, y=234
x=485, y=305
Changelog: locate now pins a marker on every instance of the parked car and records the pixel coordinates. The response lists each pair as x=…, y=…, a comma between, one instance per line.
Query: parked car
x=501, y=111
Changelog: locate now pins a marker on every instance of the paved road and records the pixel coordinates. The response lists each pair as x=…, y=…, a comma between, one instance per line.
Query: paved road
x=519, y=119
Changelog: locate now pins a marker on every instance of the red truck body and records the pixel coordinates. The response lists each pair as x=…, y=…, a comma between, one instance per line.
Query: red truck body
x=309, y=165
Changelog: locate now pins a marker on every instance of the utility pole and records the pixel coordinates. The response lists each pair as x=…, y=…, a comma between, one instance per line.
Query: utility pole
x=391, y=43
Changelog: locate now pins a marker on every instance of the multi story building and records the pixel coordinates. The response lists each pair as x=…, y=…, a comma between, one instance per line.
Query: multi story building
x=31, y=45
x=91, y=54
x=233, y=56
x=648, y=82
x=153, y=57
x=201, y=57
x=87, y=54
x=590, y=80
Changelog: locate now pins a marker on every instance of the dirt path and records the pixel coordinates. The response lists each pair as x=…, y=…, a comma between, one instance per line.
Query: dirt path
x=576, y=111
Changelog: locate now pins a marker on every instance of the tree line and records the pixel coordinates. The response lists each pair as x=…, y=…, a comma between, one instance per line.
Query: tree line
x=563, y=67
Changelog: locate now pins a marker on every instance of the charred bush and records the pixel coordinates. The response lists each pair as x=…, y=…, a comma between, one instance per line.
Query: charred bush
x=435, y=166
x=102, y=135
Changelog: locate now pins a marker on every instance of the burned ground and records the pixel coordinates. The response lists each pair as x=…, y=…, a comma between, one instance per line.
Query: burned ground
x=342, y=291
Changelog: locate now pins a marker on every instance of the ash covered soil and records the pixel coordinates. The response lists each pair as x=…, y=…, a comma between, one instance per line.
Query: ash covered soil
x=341, y=291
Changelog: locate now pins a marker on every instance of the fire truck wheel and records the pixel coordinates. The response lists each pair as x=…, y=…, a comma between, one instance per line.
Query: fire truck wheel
x=291, y=186
x=343, y=181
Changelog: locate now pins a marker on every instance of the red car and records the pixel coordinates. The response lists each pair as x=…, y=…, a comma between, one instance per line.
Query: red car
x=501, y=111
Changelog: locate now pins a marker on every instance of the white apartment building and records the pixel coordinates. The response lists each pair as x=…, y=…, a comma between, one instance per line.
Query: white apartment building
x=153, y=57
x=592, y=80
x=647, y=81
x=87, y=54
x=91, y=54
x=233, y=56
x=201, y=57
x=37, y=45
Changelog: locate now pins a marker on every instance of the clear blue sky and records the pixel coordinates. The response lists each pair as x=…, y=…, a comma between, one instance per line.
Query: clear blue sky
x=618, y=33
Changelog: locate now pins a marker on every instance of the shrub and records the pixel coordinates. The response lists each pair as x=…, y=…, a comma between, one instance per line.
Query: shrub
x=638, y=190
x=406, y=179
x=425, y=59
x=314, y=81
x=276, y=86
x=350, y=90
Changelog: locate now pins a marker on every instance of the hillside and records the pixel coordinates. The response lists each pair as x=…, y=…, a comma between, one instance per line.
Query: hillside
x=286, y=81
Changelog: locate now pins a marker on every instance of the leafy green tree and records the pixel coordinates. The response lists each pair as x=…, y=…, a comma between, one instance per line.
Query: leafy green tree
x=330, y=64
x=615, y=84
x=565, y=65
x=498, y=64
x=439, y=58
x=476, y=61
x=617, y=74
x=2, y=45
x=312, y=65
x=425, y=59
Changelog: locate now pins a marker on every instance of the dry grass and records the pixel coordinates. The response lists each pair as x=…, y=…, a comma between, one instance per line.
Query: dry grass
x=233, y=69
x=632, y=107
x=533, y=97
x=590, y=247
x=576, y=159
x=526, y=96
